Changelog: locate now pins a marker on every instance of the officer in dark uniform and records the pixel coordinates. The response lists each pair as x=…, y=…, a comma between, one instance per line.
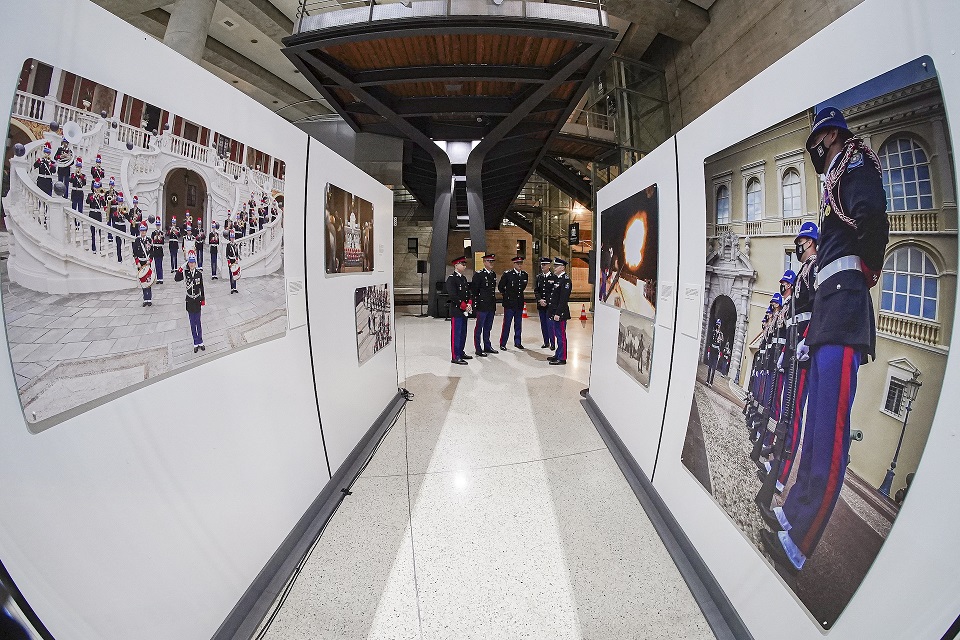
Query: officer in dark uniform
x=458, y=290
x=46, y=169
x=559, y=309
x=193, y=278
x=214, y=241
x=232, y=253
x=77, y=183
x=842, y=333
x=716, y=344
x=542, y=286
x=797, y=322
x=484, y=289
x=64, y=161
x=512, y=285
x=120, y=222
x=142, y=254
x=173, y=243
x=198, y=243
x=156, y=240
x=97, y=203
x=96, y=172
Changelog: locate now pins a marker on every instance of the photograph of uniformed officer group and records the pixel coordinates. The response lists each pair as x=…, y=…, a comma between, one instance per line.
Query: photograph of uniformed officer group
x=125, y=229
x=348, y=233
x=372, y=311
x=629, y=237
x=477, y=297
x=830, y=286
x=635, y=346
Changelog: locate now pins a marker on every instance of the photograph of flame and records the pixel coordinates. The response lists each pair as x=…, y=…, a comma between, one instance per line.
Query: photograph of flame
x=628, y=253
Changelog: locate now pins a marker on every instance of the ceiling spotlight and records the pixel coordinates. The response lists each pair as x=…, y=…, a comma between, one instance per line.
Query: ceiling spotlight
x=236, y=82
x=254, y=41
x=276, y=102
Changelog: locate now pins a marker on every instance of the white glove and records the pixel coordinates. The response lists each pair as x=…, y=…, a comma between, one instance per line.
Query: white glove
x=780, y=362
x=803, y=351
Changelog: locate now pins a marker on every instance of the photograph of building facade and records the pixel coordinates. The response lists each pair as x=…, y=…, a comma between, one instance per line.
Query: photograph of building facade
x=759, y=193
x=83, y=320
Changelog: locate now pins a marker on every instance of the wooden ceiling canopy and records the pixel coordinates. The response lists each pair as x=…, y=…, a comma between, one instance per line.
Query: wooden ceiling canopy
x=508, y=82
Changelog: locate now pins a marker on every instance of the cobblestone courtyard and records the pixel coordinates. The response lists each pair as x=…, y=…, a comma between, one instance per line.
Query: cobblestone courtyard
x=69, y=350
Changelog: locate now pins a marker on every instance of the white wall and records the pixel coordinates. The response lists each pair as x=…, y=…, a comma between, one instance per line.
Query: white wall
x=635, y=412
x=913, y=588
x=355, y=394
x=149, y=516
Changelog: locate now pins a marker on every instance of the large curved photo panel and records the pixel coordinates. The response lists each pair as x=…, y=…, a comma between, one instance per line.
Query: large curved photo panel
x=815, y=393
x=789, y=474
x=141, y=243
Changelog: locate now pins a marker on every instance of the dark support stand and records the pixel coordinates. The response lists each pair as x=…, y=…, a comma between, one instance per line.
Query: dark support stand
x=422, y=314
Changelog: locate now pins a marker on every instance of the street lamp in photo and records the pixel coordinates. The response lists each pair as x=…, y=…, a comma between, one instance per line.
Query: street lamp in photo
x=910, y=389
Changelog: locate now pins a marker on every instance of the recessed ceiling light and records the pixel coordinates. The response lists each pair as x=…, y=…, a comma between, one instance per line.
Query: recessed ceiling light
x=254, y=41
x=296, y=70
x=276, y=102
x=229, y=24
x=236, y=81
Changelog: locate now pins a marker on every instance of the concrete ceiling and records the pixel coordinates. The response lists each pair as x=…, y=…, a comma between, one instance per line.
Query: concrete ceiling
x=258, y=68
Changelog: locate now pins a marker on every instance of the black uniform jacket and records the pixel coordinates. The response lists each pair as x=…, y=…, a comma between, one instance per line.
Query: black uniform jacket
x=484, y=287
x=458, y=288
x=142, y=249
x=543, y=285
x=854, y=223
x=194, y=282
x=560, y=297
x=512, y=285
x=157, y=239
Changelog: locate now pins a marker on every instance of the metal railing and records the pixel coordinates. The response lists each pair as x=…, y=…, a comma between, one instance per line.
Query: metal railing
x=314, y=15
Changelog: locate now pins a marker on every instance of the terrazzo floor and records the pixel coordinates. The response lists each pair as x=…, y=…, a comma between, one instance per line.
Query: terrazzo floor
x=490, y=510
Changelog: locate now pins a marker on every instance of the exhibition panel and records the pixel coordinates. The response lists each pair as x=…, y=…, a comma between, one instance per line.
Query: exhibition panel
x=634, y=315
x=871, y=562
x=349, y=223
x=148, y=506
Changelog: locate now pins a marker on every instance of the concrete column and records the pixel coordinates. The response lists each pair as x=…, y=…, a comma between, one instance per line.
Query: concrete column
x=188, y=26
x=441, y=226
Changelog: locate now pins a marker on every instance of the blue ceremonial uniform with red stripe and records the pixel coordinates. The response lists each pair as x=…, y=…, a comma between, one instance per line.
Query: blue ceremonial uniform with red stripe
x=842, y=333
x=458, y=288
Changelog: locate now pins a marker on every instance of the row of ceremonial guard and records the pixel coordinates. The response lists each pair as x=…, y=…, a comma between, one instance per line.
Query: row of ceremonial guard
x=815, y=335
x=552, y=291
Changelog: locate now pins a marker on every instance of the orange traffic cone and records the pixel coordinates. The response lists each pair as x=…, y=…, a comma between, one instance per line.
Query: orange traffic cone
x=583, y=312
x=525, y=312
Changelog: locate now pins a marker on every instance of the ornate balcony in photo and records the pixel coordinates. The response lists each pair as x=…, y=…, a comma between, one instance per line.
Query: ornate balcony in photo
x=907, y=328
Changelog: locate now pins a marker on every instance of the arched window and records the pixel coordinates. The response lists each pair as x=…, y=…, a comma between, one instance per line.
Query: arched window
x=723, y=205
x=906, y=175
x=910, y=284
x=754, y=205
x=791, y=194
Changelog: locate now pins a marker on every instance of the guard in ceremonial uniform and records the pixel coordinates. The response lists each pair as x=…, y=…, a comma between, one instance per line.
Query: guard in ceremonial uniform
x=542, y=286
x=198, y=243
x=46, y=169
x=136, y=213
x=156, y=240
x=142, y=254
x=484, y=289
x=512, y=285
x=458, y=290
x=797, y=322
x=196, y=299
x=713, y=358
x=77, y=183
x=842, y=332
x=96, y=172
x=214, y=241
x=64, y=161
x=173, y=243
x=233, y=256
x=120, y=222
x=97, y=202
x=559, y=309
